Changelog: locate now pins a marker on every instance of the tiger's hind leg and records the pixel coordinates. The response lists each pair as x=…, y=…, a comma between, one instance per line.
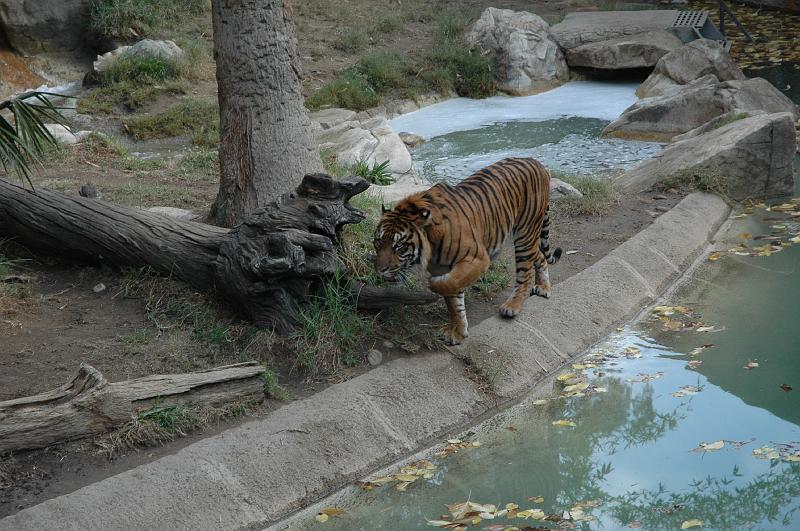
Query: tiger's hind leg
x=456, y=330
x=526, y=255
x=542, y=279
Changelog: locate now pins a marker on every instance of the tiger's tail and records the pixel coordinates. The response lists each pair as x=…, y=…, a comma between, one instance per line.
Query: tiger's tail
x=544, y=241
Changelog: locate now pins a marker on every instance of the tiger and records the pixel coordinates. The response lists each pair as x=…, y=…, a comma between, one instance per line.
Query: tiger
x=456, y=231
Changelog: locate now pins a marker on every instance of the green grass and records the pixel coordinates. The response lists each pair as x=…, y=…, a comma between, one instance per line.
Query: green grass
x=352, y=40
x=355, y=248
x=448, y=65
x=132, y=82
x=330, y=329
x=350, y=90
x=199, y=164
x=273, y=389
x=599, y=196
x=196, y=118
x=116, y=18
x=495, y=279
x=140, y=337
x=332, y=166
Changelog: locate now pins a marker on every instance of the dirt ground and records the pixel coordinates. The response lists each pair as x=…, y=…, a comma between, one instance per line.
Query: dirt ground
x=130, y=327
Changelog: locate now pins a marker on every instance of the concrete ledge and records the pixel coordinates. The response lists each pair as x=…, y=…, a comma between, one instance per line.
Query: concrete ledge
x=262, y=471
x=583, y=308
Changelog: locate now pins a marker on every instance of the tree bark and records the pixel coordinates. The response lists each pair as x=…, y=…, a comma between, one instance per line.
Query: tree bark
x=89, y=405
x=266, y=137
x=266, y=266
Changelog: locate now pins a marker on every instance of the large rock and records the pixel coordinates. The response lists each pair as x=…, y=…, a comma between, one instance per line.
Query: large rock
x=688, y=63
x=584, y=27
x=661, y=118
x=36, y=26
x=372, y=141
x=755, y=157
x=528, y=60
x=166, y=50
x=642, y=50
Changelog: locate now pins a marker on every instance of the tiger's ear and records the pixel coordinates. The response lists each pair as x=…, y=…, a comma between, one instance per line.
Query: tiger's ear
x=384, y=210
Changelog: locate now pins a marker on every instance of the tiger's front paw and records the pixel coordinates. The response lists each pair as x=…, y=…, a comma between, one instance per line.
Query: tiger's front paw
x=453, y=334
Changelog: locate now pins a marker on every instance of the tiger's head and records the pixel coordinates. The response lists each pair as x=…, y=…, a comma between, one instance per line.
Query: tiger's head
x=400, y=240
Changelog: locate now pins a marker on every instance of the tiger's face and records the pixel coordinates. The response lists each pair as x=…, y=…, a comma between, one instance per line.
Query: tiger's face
x=400, y=244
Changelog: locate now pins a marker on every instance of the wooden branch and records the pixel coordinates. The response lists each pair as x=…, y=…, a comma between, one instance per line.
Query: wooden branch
x=376, y=298
x=89, y=405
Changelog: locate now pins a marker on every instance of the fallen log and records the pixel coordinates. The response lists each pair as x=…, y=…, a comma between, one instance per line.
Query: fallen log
x=265, y=266
x=89, y=405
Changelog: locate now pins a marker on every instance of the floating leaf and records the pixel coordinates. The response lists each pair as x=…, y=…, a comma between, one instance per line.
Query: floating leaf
x=694, y=522
x=716, y=255
x=563, y=422
x=566, y=376
x=709, y=447
x=511, y=428
x=751, y=365
x=332, y=511
x=535, y=499
x=786, y=387
x=540, y=402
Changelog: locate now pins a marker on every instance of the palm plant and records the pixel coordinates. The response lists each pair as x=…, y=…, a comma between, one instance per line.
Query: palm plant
x=24, y=138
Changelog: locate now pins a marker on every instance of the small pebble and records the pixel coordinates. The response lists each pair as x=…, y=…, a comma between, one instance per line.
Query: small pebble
x=653, y=214
x=388, y=345
x=672, y=191
x=374, y=357
x=662, y=208
x=659, y=196
x=99, y=287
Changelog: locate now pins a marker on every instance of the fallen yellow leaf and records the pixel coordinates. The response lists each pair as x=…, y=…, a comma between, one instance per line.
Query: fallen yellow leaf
x=321, y=518
x=694, y=522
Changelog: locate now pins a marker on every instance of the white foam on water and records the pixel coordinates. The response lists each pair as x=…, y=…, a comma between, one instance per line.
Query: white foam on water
x=588, y=99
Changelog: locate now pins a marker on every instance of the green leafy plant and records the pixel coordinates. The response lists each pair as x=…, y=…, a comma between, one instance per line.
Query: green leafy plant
x=377, y=174
x=25, y=139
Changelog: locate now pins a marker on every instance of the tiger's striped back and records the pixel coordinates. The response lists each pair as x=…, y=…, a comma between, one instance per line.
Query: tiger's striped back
x=455, y=231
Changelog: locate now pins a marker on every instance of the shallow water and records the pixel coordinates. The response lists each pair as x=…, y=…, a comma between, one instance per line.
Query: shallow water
x=631, y=448
x=560, y=127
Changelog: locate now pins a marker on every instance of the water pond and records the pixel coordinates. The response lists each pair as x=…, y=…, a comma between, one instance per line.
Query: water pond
x=560, y=127
x=690, y=418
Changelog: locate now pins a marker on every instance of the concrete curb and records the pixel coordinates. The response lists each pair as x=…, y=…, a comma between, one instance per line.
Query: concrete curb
x=262, y=471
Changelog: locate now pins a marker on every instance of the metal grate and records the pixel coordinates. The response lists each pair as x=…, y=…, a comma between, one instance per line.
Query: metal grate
x=691, y=25
x=690, y=19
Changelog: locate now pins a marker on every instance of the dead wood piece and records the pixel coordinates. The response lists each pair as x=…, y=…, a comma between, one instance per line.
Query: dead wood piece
x=378, y=298
x=89, y=405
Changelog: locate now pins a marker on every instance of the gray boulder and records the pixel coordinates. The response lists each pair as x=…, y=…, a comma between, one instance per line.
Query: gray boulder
x=755, y=157
x=411, y=140
x=661, y=118
x=559, y=189
x=528, y=60
x=372, y=141
x=688, y=63
x=36, y=26
x=584, y=27
x=166, y=50
x=641, y=50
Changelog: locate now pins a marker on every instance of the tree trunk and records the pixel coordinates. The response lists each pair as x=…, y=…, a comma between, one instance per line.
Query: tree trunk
x=266, y=137
x=89, y=405
x=266, y=266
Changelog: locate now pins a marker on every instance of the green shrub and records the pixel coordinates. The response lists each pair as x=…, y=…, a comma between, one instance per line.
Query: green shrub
x=116, y=18
x=377, y=174
x=350, y=90
x=351, y=41
x=140, y=69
